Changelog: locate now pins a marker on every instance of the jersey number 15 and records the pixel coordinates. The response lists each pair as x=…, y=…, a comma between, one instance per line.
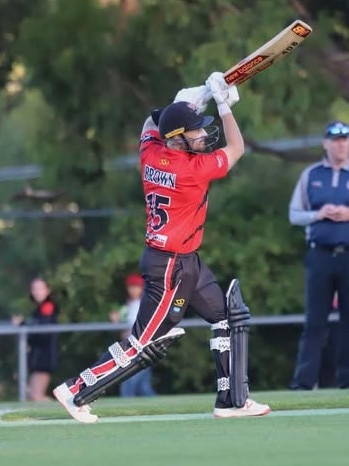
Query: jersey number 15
x=159, y=215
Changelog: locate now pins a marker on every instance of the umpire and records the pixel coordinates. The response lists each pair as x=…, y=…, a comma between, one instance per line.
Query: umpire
x=320, y=203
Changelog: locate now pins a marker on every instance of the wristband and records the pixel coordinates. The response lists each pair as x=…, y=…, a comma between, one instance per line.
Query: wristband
x=223, y=109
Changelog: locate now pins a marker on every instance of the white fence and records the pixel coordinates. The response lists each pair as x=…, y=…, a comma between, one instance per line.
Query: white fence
x=23, y=331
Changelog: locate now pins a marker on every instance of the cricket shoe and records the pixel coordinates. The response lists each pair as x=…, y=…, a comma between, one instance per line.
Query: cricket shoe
x=251, y=408
x=80, y=413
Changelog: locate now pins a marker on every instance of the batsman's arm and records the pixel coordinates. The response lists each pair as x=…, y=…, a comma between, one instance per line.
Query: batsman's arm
x=149, y=125
x=152, y=122
x=235, y=146
x=224, y=99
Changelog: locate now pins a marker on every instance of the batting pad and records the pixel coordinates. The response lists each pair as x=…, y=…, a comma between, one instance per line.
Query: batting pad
x=149, y=356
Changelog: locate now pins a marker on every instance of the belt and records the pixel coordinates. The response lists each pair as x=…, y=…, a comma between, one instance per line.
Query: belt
x=329, y=247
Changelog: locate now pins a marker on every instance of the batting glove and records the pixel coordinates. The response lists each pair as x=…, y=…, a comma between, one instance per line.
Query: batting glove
x=233, y=96
x=199, y=96
x=220, y=92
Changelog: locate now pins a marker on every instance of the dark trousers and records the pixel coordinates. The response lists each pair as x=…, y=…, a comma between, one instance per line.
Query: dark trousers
x=172, y=283
x=329, y=357
x=326, y=273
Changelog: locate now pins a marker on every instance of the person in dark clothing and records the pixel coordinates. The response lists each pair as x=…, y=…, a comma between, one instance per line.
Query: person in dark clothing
x=43, y=347
x=320, y=203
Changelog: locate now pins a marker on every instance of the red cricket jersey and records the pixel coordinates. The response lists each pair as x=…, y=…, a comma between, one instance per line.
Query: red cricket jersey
x=176, y=187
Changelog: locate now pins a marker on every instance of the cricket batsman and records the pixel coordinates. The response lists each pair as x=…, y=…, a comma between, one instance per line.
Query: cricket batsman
x=178, y=164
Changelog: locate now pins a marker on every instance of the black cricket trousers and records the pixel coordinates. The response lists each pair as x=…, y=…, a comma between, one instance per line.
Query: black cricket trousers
x=172, y=283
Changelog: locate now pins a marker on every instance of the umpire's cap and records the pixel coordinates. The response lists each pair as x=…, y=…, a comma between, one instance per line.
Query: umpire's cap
x=336, y=129
x=179, y=117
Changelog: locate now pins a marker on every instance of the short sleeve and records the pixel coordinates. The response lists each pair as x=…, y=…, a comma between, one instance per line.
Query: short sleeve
x=149, y=137
x=209, y=167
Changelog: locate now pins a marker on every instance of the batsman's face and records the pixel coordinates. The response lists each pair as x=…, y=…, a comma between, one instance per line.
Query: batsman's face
x=196, y=139
x=337, y=150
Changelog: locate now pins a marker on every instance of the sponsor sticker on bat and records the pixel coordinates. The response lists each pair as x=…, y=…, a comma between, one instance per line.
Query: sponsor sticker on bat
x=300, y=30
x=245, y=68
x=246, y=76
x=279, y=46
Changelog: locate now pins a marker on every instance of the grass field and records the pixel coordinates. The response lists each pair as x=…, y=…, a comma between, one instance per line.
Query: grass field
x=305, y=428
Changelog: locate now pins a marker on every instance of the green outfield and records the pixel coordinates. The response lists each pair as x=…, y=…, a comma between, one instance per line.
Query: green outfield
x=305, y=428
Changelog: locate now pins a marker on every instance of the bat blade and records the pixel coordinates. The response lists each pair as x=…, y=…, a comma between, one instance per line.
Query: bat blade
x=276, y=48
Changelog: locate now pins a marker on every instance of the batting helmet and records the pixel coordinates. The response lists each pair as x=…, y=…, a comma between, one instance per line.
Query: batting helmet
x=179, y=117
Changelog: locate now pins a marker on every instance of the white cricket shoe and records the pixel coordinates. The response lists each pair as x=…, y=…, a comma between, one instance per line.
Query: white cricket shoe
x=251, y=408
x=80, y=413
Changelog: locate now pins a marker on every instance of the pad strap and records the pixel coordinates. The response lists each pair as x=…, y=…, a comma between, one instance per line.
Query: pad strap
x=221, y=325
x=223, y=384
x=88, y=377
x=137, y=345
x=119, y=355
x=220, y=344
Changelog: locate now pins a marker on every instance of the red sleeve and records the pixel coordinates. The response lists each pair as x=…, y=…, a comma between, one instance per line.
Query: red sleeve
x=149, y=137
x=208, y=167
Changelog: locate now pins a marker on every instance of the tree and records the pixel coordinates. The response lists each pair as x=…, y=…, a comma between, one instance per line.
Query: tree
x=12, y=13
x=97, y=69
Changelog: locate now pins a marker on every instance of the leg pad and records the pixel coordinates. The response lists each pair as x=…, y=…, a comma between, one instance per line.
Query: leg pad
x=150, y=356
x=238, y=320
x=239, y=389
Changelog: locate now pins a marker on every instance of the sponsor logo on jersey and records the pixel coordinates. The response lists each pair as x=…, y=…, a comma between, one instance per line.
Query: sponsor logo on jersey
x=164, y=162
x=153, y=175
x=317, y=184
x=156, y=240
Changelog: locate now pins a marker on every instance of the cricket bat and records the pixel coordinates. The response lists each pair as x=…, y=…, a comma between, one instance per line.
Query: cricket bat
x=270, y=52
